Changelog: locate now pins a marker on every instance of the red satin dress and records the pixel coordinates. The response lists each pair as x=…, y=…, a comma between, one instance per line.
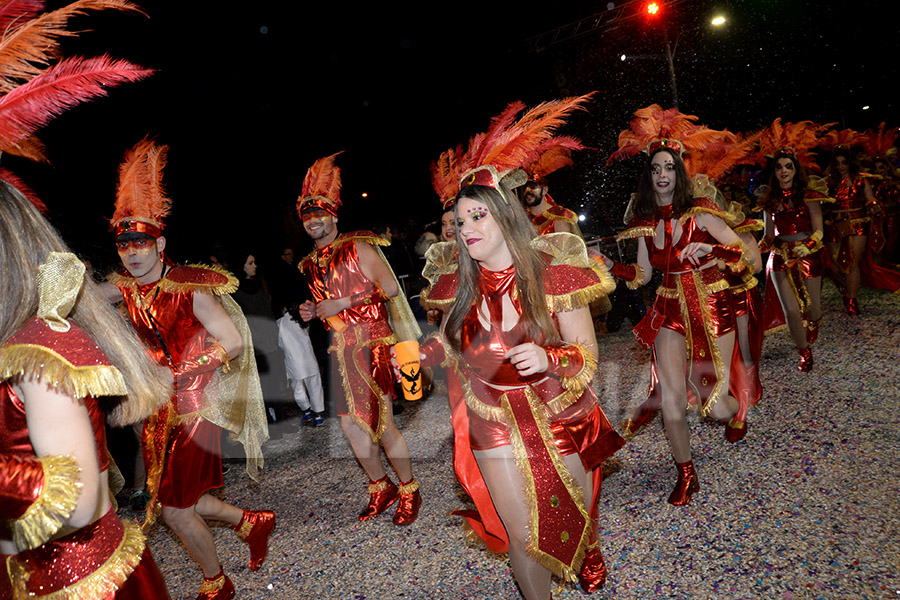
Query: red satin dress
x=181, y=448
x=692, y=301
x=114, y=555
x=496, y=417
x=363, y=348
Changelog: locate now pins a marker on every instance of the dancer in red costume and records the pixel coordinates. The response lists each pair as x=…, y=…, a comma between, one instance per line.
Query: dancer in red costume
x=186, y=317
x=887, y=191
x=847, y=224
x=355, y=293
x=63, y=352
x=545, y=213
x=519, y=335
x=791, y=202
x=690, y=327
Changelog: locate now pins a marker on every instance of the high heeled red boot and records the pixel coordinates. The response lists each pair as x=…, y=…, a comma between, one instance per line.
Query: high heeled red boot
x=255, y=528
x=593, y=571
x=806, y=360
x=383, y=493
x=686, y=486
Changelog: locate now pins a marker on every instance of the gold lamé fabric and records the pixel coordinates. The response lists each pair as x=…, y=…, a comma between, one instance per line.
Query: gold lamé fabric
x=546, y=221
x=60, y=278
x=105, y=560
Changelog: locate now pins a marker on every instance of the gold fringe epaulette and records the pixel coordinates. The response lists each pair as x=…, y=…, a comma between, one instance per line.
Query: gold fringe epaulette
x=817, y=190
x=749, y=225
x=580, y=298
x=205, y=279
x=441, y=258
x=635, y=232
x=560, y=213
x=569, y=250
x=705, y=206
x=577, y=383
x=57, y=372
x=103, y=582
x=53, y=507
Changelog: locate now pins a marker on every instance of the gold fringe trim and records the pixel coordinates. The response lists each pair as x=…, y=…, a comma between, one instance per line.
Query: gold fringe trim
x=103, y=582
x=698, y=210
x=409, y=488
x=362, y=370
x=379, y=486
x=636, y=232
x=703, y=292
x=173, y=287
x=488, y=412
x=244, y=528
x=577, y=383
x=211, y=586
x=750, y=282
x=53, y=507
x=751, y=225
x=520, y=453
x=580, y=298
x=638, y=280
x=57, y=372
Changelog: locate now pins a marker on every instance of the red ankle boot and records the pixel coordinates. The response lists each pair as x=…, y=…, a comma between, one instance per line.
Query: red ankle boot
x=383, y=493
x=735, y=431
x=687, y=484
x=812, y=330
x=593, y=571
x=218, y=587
x=806, y=360
x=852, y=307
x=255, y=528
x=410, y=501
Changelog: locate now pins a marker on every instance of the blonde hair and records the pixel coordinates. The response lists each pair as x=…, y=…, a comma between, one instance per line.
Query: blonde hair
x=26, y=238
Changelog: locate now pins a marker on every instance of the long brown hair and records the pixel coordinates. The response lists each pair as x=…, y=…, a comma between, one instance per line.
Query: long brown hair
x=518, y=232
x=773, y=194
x=645, y=197
x=26, y=239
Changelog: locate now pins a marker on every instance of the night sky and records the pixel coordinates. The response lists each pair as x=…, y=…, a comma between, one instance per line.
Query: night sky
x=248, y=95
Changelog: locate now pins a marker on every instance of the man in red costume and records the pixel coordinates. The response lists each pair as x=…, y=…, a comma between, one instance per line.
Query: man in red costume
x=187, y=319
x=547, y=215
x=355, y=291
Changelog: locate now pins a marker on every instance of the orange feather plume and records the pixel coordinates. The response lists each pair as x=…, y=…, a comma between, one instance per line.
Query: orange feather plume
x=845, y=137
x=445, y=175
x=322, y=184
x=718, y=158
x=802, y=137
x=881, y=142
x=141, y=195
x=511, y=144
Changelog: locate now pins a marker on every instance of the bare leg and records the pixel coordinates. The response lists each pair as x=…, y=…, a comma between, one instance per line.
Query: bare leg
x=210, y=507
x=743, y=331
x=671, y=360
x=724, y=407
x=857, y=248
x=814, y=289
x=791, y=308
x=365, y=450
x=195, y=535
x=505, y=484
x=395, y=447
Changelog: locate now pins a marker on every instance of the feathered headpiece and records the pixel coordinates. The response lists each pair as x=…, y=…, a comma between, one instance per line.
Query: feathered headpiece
x=553, y=159
x=509, y=144
x=797, y=139
x=654, y=128
x=141, y=201
x=880, y=143
x=35, y=90
x=718, y=158
x=845, y=138
x=322, y=186
x=445, y=176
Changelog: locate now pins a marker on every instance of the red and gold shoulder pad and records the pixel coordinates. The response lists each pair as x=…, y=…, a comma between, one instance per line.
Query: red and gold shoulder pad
x=443, y=293
x=703, y=205
x=572, y=279
x=441, y=271
x=69, y=361
x=749, y=225
x=560, y=213
x=637, y=227
x=181, y=279
x=817, y=190
x=363, y=235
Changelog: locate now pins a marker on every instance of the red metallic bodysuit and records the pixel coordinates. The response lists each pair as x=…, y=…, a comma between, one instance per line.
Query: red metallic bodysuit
x=363, y=348
x=542, y=416
x=790, y=217
x=106, y=559
x=849, y=207
x=182, y=450
x=692, y=301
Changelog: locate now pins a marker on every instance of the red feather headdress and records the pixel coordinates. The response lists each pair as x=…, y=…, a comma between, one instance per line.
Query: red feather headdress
x=654, y=127
x=880, y=143
x=141, y=201
x=510, y=144
x=557, y=156
x=445, y=176
x=322, y=186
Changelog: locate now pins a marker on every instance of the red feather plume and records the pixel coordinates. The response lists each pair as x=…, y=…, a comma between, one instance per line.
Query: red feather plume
x=323, y=179
x=445, y=175
x=140, y=193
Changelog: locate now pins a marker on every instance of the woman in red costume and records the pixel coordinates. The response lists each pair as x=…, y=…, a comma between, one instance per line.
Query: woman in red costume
x=691, y=324
x=793, y=214
x=62, y=348
x=887, y=191
x=847, y=224
x=519, y=332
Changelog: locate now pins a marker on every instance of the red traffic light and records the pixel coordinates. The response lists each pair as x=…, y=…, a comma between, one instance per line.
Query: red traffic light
x=652, y=8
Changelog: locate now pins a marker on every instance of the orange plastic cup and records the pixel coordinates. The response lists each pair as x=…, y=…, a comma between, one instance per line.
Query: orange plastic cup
x=336, y=323
x=410, y=369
